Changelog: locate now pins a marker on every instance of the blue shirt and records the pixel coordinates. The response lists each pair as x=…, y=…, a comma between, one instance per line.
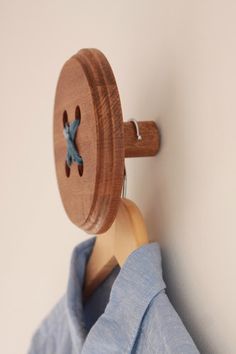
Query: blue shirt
x=128, y=313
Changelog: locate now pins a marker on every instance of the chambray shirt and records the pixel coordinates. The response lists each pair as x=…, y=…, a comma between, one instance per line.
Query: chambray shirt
x=128, y=313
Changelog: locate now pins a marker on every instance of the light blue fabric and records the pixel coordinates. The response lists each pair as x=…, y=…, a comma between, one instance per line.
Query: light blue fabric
x=128, y=313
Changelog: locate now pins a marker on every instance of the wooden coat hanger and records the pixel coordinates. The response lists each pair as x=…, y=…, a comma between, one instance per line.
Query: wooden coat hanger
x=127, y=233
x=90, y=189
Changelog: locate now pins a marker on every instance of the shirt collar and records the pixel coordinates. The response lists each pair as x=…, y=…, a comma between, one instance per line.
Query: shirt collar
x=138, y=281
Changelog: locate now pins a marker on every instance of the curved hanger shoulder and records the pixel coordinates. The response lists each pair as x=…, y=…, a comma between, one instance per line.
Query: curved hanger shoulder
x=130, y=230
x=127, y=233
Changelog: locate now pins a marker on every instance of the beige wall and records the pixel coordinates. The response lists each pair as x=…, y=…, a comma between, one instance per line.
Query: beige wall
x=175, y=63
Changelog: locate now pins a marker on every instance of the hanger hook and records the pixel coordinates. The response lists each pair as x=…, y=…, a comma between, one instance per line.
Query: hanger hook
x=139, y=136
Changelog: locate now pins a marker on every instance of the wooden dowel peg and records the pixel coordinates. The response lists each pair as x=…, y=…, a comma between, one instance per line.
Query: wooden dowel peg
x=148, y=145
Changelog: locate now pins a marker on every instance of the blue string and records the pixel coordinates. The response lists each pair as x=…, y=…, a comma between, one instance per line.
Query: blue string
x=69, y=132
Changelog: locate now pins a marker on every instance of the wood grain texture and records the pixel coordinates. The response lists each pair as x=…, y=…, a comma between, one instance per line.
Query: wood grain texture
x=90, y=200
x=87, y=89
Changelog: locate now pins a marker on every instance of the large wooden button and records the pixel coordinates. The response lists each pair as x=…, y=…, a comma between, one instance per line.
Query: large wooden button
x=87, y=90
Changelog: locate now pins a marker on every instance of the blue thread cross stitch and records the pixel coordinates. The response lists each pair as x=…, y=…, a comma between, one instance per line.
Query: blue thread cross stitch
x=72, y=154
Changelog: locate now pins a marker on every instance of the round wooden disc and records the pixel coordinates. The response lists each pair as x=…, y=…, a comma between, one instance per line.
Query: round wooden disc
x=87, y=90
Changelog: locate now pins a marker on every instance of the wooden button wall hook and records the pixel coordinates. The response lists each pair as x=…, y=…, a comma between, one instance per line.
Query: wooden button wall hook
x=90, y=188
